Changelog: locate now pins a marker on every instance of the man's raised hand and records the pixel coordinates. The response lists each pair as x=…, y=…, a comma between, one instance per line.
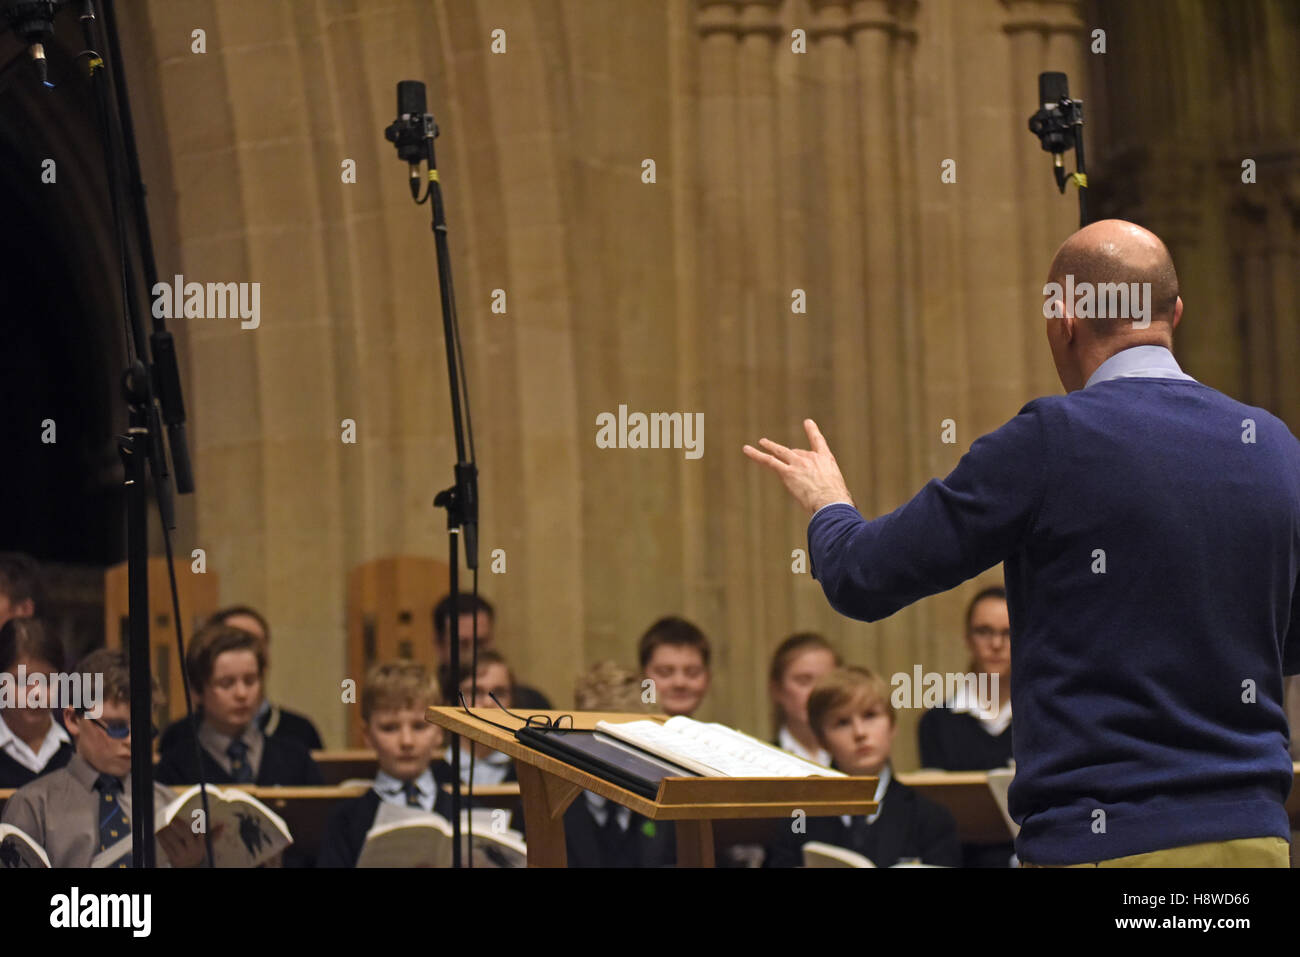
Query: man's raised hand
x=811, y=476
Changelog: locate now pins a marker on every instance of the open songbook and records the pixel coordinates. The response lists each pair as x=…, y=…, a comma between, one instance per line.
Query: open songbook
x=817, y=854
x=18, y=850
x=252, y=835
x=1000, y=784
x=712, y=750
x=408, y=837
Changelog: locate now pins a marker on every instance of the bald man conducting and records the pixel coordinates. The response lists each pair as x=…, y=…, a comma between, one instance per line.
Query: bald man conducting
x=1150, y=528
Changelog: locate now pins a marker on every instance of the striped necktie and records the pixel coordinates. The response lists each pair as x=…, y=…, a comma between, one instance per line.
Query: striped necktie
x=240, y=769
x=114, y=825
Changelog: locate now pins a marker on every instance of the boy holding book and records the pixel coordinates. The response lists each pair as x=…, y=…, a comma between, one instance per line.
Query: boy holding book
x=273, y=720
x=226, y=666
x=393, y=702
x=83, y=810
x=850, y=711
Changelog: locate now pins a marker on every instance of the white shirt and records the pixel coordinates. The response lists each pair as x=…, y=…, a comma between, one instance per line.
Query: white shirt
x=33, y=761
x=994, y=722
x=885, y=775
x=787, y=742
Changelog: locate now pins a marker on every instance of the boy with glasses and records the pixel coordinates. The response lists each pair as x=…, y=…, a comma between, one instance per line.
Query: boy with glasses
x=80, y=813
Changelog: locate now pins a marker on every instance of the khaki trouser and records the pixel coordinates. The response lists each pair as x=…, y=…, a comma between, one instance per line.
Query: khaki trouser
x=1245, y=852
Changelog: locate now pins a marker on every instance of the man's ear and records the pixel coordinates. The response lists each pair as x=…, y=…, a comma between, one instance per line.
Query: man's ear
x=1068, y=328
x=72, y=722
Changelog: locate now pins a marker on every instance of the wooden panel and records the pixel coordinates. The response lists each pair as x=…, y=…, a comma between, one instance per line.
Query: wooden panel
x=198, y=596
x=390, y=616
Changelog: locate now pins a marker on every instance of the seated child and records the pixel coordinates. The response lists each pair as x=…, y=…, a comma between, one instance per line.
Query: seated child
x=84, y=808
x=393, y=702
x=850, y=711
x=274, y=721
x=494, y=678
x=32, y=743
x=797, y=664
x=476, y=615
x=598, y=832
x=225, y=667
x=674, y=654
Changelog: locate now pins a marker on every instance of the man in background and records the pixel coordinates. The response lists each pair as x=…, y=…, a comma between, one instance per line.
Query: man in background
x=470, y=609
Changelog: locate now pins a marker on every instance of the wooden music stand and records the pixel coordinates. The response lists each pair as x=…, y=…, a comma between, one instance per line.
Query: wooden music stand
x=548, y=786
x=967, y=796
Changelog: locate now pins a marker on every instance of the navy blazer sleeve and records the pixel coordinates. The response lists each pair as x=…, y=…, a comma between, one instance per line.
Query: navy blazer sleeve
x=936, y=832
x=950, y=531
x=929, y=736
x=345, y=834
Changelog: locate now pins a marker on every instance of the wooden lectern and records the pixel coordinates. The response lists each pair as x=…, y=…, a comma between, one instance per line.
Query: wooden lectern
x=548, y=786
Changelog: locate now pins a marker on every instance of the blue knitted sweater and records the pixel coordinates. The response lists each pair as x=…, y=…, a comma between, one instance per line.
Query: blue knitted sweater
x=1150, y=530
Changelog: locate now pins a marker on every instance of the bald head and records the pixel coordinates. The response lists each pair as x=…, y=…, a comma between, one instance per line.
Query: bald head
x=1113, y=251
x=1111, y=285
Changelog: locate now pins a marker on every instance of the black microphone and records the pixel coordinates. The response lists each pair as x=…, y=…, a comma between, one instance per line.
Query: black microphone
x=33, y=22
x=410, y=98
x=1057, y=122
x=1053, y=90
x=410, y=131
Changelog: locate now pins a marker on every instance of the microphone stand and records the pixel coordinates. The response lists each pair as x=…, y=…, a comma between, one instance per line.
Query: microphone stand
x=413, y=134
x=144, y=385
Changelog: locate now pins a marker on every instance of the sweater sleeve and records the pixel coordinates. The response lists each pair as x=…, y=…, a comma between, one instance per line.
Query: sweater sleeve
x=1291, y=651
x=950, y=531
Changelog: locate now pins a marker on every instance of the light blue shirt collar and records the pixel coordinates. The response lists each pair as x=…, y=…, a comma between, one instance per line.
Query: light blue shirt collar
x=1147, y=362
x=885, y=776
x=389, y=788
